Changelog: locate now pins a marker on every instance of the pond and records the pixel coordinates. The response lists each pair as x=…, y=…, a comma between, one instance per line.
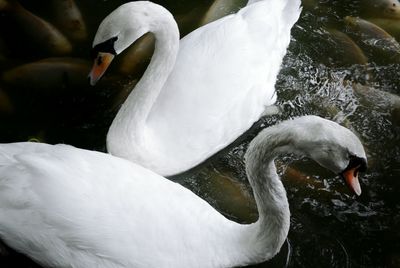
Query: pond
x=337, y=67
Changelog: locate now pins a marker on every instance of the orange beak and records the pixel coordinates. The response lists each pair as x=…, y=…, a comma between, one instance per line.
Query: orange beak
x=100, y=65
x=351, y=178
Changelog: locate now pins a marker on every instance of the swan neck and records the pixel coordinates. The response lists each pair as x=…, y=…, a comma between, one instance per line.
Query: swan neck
x=260, y=241
x=272, y=227
x=143, y=97
x=131, y=118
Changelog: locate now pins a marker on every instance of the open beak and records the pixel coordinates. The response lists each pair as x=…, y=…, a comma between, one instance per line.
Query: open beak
x=100, y=65
x=351, y=178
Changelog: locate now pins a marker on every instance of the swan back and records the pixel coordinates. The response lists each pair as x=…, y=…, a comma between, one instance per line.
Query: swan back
x=223, y=79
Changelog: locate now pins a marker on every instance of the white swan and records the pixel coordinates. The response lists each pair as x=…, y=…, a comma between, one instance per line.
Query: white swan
x=67, y=207
x=199, y=94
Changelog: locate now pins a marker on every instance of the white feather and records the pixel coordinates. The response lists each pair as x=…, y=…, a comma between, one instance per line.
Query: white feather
x=181, y=112
x=67, y=207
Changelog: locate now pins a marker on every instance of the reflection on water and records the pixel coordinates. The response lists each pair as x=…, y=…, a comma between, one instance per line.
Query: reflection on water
x=327, y=72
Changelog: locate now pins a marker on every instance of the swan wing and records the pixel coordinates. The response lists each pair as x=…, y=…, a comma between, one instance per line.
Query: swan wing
x=223, y=79
x=65, y=207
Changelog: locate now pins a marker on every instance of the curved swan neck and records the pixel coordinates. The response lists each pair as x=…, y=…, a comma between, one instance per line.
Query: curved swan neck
x=272, y=227
x=132, y=116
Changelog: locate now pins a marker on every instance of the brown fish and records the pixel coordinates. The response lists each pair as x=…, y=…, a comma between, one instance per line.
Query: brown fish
x=69, y=19
x=309, y=4
x=231, y=196
x=376, y=42
x=49, y=74
x=378, y=98
x=221, y=8
x=347, y=52
x=226, y=193
x=384, y=101
x=294, y=176
x=33, y=30
x=189, y=21
x=392, y=26
x=381, y=8
x=136, y=58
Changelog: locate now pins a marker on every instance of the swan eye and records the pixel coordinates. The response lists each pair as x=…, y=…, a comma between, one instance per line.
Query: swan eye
x=355, y=161
x=105, y=47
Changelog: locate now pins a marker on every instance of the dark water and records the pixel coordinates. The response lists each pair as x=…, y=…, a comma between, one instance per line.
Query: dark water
x=329, y=226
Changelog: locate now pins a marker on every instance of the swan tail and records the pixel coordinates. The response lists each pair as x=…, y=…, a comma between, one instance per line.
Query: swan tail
x=291, y=11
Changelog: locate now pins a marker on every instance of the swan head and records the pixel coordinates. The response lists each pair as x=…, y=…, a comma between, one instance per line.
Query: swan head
x=120, y=29
x=331, y=145
x=334, y=147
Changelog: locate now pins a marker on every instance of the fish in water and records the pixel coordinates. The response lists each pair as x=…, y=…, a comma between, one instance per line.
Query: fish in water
x=381, y=8
x=392, y=26
x=221, y=8
x=378, y=99
x=136, y=58
x=40, y=34
x=347, y=52
x=69, y=19
x=49, y=74
x=375, y=41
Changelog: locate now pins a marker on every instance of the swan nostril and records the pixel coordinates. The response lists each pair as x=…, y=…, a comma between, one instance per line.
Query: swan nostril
x=99, y=60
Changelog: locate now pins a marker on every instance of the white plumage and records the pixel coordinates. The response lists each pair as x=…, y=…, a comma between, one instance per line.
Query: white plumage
x=67, y=207
x=200, y=93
